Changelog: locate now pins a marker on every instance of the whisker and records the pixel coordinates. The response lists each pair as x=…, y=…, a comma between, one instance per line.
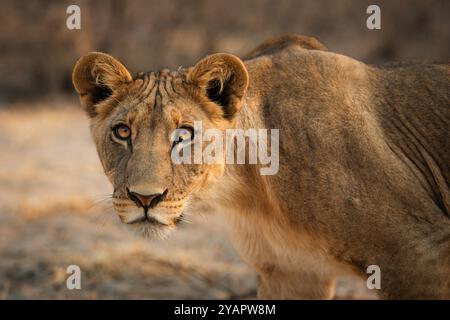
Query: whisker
x=101, y=201
x=103, y=218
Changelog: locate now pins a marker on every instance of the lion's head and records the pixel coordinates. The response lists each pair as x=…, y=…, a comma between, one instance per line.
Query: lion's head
x=137, y=122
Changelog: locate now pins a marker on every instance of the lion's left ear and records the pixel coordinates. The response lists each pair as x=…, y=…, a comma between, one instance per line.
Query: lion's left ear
x=223, y=79
x=95, y=77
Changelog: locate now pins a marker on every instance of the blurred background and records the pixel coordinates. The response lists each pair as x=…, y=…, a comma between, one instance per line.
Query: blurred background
x=54, y=198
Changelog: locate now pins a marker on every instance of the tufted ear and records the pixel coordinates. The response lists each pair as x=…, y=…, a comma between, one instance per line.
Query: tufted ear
x=223, y=79
x=95, y=77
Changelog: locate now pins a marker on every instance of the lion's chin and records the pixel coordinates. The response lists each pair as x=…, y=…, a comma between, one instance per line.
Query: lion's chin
x=150, y=230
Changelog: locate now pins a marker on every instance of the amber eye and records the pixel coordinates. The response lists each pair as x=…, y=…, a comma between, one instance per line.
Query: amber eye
x=122, y=132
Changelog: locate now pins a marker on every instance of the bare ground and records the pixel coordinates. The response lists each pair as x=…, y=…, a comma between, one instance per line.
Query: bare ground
x=55, y=212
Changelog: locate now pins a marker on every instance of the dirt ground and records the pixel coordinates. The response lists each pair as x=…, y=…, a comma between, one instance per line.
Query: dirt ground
x=55, y=212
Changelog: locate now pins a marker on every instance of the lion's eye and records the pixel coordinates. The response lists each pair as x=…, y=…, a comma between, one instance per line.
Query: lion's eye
x=185, y=133
x=122, y=132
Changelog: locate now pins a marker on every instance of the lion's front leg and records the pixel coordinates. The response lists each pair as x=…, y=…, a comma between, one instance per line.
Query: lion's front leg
x=294, y=285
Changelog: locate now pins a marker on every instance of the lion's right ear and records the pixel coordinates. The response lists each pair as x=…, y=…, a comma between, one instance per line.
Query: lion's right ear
x=95, y=77
x=223, y=79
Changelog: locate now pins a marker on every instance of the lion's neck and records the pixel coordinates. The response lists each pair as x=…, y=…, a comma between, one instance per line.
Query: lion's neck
x=250, y=115
x=245, y=180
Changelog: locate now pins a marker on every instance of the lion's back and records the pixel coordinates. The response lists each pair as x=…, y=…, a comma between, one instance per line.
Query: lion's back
x=276, y=44
x=341, y=119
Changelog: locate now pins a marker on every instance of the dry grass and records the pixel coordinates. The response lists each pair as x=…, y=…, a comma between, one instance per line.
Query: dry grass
x=54, y=212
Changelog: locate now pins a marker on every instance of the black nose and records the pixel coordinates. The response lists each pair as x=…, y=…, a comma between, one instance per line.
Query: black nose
x=146, y=201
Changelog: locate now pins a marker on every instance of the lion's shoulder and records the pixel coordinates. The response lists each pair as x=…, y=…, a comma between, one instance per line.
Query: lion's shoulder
x=282, y=42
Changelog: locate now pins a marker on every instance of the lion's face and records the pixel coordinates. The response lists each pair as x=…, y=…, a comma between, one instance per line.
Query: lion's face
x=140, y=124
x=135, y=144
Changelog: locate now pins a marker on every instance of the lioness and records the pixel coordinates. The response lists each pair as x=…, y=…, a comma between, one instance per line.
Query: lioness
x=363, y=161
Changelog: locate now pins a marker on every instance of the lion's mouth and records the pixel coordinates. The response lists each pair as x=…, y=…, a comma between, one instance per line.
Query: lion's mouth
x=153, y=221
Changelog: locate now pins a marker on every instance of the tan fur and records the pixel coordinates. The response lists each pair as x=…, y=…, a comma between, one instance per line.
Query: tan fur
x=364, y=162
x=280, y=43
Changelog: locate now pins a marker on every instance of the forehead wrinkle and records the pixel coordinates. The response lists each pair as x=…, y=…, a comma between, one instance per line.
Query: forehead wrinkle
x=156, y=91
x=149, y=95
x=168, y=80
x=169, y=86
x=145, y=81
x=144, y=96
x=150, y=83
x=163, y=96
